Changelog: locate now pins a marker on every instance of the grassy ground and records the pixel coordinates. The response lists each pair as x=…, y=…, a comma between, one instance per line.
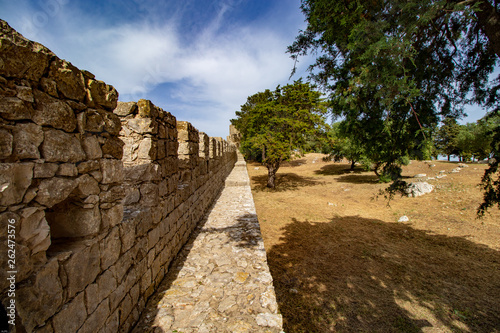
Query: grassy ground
x=342, y=263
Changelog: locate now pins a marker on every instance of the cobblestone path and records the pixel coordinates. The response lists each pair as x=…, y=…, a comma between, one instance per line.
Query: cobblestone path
x=220, y=281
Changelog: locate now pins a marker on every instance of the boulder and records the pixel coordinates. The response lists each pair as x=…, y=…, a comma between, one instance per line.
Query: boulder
x=418, y=188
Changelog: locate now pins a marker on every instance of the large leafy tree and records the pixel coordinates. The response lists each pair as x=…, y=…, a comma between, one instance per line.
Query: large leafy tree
x=395, y=68
x=274, y=124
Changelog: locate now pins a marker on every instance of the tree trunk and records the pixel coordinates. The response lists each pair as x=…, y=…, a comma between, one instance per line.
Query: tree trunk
x=489, y=21
x=353, y=164
x=448, y=158
x=272, y=168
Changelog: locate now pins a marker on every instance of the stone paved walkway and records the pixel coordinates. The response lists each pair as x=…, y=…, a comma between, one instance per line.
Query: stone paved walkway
x=220, y=281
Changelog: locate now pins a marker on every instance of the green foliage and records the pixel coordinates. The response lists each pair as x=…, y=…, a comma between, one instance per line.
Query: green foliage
x=490, y=183
x=275, y=124
x=447, y=137
x=342, y=146
x=395, y=69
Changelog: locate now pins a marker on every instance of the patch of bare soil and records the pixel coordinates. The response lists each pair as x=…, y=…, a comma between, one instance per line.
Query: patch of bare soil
x=342, y=263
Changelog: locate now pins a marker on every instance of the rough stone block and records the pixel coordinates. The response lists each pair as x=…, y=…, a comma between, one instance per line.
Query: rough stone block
x=97, y=319
x=110, y=249
x=59, y=146
x=40, y=300
x=27, y=138
x=34, y=229
x=92, y=147
x=112, y=216
x=71, y=317
x=147, y=149
x=82, y=268
x=6, y=140
x=13, y=108
x=68, y=78
x=86, y=186
x=101, y=94
x=92, y=297
x=54, y=190
x=53, y=112
x=15, y=178
x=112, y=171
x=113, y=148
x=67, y=170
x=146, y=109
x=142, y=125
x=106, y=283
x=149, y=194
x=21, y=58
x=125, y=108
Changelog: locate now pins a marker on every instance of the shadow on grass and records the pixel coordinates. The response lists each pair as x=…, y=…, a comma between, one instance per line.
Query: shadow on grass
x=284, y=182
x=359, y=275
x=337, y=170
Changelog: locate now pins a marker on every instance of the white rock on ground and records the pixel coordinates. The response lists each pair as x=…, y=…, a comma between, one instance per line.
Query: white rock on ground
x=419, y=188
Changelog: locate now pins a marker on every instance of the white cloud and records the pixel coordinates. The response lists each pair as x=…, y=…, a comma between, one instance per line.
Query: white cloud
x=213, y=72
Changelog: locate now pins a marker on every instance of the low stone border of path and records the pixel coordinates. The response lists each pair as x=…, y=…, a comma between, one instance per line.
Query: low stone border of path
x=220, y=281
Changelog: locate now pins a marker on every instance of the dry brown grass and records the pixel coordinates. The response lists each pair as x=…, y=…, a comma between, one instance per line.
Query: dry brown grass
x=342, y=263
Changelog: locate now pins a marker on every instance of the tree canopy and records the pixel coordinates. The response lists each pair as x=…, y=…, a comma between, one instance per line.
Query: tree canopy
x=394, y=69
x=273, y=124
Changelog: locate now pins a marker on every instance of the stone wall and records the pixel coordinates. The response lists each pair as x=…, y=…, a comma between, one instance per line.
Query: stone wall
x=102, y=194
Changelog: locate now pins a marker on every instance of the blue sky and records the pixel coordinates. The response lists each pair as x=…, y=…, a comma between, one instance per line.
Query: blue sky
x=197, y=59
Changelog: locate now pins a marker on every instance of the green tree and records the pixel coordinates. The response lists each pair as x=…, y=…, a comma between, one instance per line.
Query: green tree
x=274, y=124
x=344, y=147
x=402, y=65
x=447, y=137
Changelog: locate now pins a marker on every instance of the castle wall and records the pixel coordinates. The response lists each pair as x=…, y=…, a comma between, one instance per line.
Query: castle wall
x=101, y=194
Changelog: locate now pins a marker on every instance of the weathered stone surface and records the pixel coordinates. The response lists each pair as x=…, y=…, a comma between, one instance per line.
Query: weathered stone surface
x=54, y=190
x=72, y=316
x=92, y=147
x=147, y=149
x=53, y=112
x=45, y=170
x=59, y=146
x=101, y=94
x=82, y=268
x=125, y=108
x=87, y=186
x=68, y=79
x=13, y=108
x=20, y=57
x=25, y=93
x=6, y=140
x=112, y=216
x=112, y=171
x=149, y=195
x=113, y=147
x=88, y=166
x=110, y=249
x=15, y=178
x=146, y=109
x=90, y=121
x=49, y=86
x=142, y=125
x=39, y=301
x=34, y=229
x=27, y=139
x=97, y=319
x=67, y=169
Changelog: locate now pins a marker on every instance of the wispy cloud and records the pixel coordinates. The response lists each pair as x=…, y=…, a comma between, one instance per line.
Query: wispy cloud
x=205, y=75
